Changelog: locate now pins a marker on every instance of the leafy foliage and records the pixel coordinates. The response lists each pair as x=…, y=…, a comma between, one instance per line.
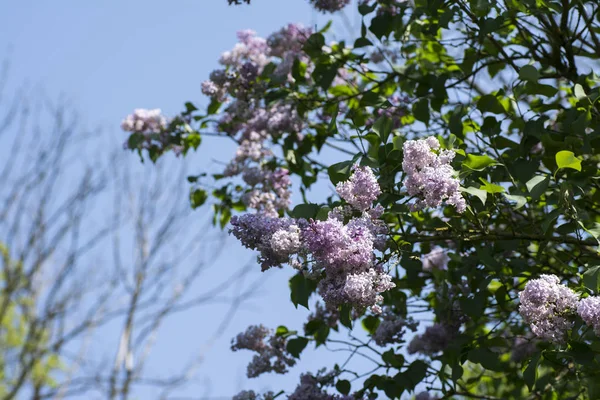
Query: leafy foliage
x=509, y=87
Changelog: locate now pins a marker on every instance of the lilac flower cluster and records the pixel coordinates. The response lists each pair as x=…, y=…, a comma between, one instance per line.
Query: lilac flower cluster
x=435, y=339
x=589, y=310
x=248, y=119
x=150, y=125
x=277, y=239
x=425, y=396
x=329, y=315
x=312, y=387
x=144, y=121
x=361, y=189
x=251, y=395
x=329, y=5
x=271, y=355
x=548, y=307
x=436, y=259
x=392, y=329
x=430, y=175
x=343, y=246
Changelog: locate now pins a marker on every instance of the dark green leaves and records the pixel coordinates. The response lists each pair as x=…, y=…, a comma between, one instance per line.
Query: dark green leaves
x=343, y=386
x=198, y=197
x=530, y=374
x=305, y=211
x=537, y=186
x=383, y=127
x=314, y=45
x=301, y=289
x=529, y=73
x=339, y=172
x=591, y=278
x=421, y=111
x=490, y=103
x=296, y=345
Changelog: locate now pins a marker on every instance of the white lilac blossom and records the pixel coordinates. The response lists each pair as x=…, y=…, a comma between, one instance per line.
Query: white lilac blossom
x=436, y=259
x=392, y=328
x=286, y=241
x=271, y=354
x=429, y=175
x=144, y=121
x=589, y=311
x=329, y=5
x=548, y=307
x=361, y=189
x=435, y=339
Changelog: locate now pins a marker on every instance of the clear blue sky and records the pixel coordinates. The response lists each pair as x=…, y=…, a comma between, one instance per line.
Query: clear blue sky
x=108, y=57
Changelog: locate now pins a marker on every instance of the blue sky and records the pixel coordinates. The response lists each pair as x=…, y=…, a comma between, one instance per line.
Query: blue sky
x=111, y=56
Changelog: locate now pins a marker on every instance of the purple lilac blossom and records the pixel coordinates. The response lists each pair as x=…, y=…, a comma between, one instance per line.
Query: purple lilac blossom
x=391, y=329
x=361, y=189
x=430, y=175
x=329, y=5
x=548, y=307
x=589, y=311
x=271, y=355
x=436, y=259
x=435, y=339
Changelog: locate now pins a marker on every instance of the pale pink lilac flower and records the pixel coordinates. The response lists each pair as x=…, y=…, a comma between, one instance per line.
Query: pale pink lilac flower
x=589, y=310
x=361, y=189
x=429, y=175
x=548, y=307
x=436, y=259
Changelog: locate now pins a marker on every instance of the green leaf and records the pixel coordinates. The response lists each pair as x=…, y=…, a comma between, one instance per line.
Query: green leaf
x=362, y=42
x=421, y=111
x=198, y=197
x=520, y=200
x=530, y=374
x=301, y=289
x=370, y=323
x=480, y=194
x=591, y=278
x=383, y=127
x=314, y=45
x=416, y=372
x=393, y=359
x=339, y=172
x=567, y=159
x=343, y=386
x=490, y=103
x=296, y=345
x=537, y=186
x=307, y=211
x=529, y=73
x=478, y=163
x=490, y=187
x=281, y=330
x=579, y=92
x=345, y=319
